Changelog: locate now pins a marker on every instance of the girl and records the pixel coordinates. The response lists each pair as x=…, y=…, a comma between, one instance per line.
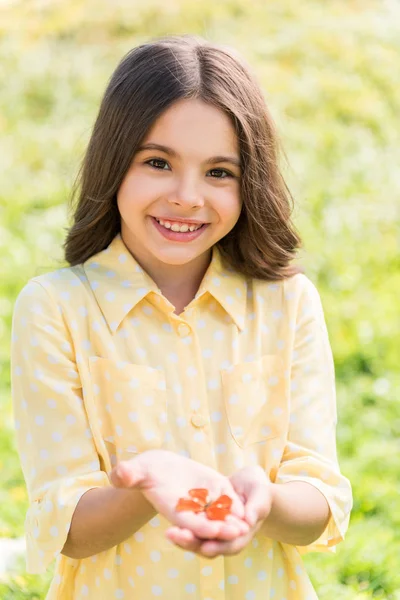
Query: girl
x=180, y=349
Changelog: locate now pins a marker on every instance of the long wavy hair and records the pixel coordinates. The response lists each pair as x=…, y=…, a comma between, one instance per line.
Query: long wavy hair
x=148, y=80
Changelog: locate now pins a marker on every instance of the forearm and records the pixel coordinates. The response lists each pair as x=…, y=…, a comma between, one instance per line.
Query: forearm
x=103, y=518
x=299, y=513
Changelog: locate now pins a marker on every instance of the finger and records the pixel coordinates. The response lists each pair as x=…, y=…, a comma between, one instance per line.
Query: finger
x=240, y=524
x=211, y=548
x=199, y=524
x=125, y=475
x=229, y=528
x=119, y=476
x=257, y=505
x=237, y=507
x=227, y=531
x=184, y=538
x=251, y=515
x=180, y=535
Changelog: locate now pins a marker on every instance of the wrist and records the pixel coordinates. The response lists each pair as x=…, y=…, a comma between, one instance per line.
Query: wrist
x=271, y=500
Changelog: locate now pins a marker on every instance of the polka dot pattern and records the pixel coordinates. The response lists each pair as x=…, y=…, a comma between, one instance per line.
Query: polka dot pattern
x=107, y=370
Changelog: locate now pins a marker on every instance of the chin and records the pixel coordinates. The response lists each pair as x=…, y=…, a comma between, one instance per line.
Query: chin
x=180, y=258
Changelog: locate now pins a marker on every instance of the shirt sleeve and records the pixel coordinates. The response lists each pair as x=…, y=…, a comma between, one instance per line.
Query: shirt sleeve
x=310, y=452
x=58, y=456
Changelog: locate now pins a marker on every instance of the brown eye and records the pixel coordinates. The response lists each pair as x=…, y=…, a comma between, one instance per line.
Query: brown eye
x=157, y=160
x=221, y=171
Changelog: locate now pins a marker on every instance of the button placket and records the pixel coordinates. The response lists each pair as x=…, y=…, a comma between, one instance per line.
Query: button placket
x=198, y=420
x=183, y=330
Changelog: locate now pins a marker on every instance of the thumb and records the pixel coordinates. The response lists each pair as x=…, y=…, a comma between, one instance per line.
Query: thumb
x=255, y=506
x=127, y=474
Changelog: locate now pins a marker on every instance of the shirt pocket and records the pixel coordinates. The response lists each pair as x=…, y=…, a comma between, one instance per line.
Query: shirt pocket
x=131, y=405
x=255, y=399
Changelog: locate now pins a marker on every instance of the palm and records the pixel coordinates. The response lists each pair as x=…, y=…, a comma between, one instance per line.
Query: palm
x=168, y=476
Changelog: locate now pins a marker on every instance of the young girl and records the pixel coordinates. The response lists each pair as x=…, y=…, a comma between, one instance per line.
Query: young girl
x=179, y=350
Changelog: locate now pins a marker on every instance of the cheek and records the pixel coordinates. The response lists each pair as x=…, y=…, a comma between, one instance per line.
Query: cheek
x=132, y=196
x=124, y=193
x=229, y=210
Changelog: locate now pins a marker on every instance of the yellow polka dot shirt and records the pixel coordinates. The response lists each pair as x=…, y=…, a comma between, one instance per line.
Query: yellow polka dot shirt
x=103, y=369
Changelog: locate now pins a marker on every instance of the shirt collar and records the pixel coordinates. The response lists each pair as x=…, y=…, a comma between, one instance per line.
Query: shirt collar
x=119, y=283
x=227, y=286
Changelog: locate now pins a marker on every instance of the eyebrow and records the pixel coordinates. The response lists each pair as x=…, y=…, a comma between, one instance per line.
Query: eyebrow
x=213, y=160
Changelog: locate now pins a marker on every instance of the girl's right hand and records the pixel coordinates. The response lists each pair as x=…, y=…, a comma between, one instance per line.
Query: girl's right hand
x=163, y=477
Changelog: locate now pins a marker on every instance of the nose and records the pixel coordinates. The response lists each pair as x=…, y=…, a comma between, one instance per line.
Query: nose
x=186, y=194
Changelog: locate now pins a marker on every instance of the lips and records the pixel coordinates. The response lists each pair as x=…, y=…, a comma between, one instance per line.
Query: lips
x=179, y=236
x=180, y=220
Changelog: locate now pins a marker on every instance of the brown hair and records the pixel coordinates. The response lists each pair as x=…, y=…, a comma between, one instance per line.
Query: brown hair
x=149, y=79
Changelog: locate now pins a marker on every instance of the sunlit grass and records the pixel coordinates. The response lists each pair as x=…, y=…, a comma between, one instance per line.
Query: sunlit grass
x=328, y=76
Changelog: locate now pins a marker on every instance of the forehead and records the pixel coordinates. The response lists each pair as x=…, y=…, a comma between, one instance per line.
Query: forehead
x=194, y=124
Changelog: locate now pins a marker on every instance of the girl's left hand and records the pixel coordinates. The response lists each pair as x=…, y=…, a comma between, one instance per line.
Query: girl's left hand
x=255, y=490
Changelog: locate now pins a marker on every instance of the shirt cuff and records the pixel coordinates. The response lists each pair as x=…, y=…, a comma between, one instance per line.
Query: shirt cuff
x=48, y=519
x=339, y=499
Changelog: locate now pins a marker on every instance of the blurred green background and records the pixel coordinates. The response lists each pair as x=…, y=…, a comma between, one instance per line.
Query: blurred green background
x=331, y=77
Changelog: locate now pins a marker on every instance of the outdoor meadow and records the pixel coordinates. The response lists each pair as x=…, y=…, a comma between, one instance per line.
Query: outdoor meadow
x=330, y=71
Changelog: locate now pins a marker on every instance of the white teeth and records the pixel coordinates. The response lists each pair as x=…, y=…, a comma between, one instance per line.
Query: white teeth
x=176, y=227
x=182, y=228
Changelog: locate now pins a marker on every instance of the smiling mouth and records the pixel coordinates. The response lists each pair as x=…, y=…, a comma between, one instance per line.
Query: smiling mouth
x=179, y=232
x=179, y=227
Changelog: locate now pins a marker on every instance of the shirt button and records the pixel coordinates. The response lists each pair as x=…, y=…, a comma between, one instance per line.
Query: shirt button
x=199, y=420
x=183, y=330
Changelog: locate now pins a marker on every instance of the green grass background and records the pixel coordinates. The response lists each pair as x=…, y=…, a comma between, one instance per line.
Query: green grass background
x=330, y=74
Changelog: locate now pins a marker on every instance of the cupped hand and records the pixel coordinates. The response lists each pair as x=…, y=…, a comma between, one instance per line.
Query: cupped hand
x=163, y=477
x=255, y=490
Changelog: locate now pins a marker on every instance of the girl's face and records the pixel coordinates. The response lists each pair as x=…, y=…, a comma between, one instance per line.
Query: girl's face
x=193, y=181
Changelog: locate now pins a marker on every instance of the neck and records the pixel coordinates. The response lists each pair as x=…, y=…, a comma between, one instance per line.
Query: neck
x=178, y=283
x=180, y=278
